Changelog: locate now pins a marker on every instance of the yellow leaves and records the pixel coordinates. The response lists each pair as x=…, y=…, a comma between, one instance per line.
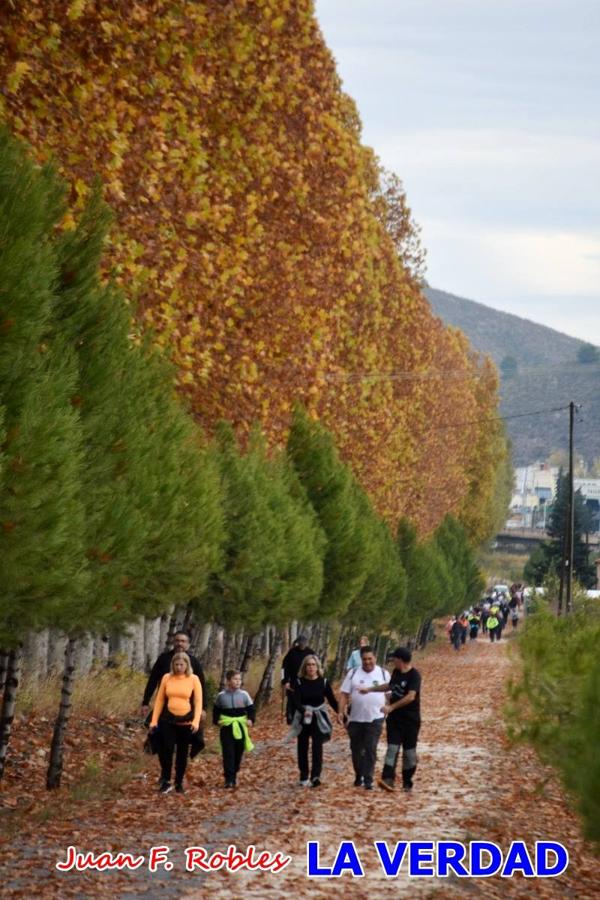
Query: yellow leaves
x=75, y=9
x=13, y=82
x=163, y=53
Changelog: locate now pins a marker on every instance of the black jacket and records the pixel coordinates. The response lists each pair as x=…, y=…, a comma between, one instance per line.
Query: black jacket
x=162, y=666
x=292, y=662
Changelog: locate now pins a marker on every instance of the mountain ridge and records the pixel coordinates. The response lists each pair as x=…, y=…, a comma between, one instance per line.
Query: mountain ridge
x=472, y=317
x=547, y=378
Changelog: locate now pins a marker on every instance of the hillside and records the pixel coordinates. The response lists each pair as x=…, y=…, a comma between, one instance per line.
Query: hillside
x=501, y=334
x=548, y=375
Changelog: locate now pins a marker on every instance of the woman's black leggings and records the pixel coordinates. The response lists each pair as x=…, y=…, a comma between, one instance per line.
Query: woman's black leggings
x=171, y=737
x=308, y=732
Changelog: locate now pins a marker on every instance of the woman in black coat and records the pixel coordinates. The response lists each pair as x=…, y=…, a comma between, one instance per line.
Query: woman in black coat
x=311, y=721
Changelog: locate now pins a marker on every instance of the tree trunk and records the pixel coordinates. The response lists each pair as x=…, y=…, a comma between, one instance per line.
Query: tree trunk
x=188, y=618
x=214, y=653
x=137, y=648
x=228, y=652
x=201, y=641
x=100, y=651
x=11, y=688
x=57, y=645
x=164, y=631
x=152, y=642
x=35, y=655
x=174, y=626
x=383, y=649
x=265, y=691
x=246, y=655
x=57, y=747
x=424, y=633
x=84, y=655
x=293, y=632
x=3, y=667
x=121, y=649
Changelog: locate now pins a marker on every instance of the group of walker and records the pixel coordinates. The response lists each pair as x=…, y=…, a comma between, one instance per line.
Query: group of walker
x=180, y=710
x=491, y=616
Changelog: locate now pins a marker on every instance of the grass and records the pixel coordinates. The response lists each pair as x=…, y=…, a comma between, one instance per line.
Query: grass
x=502, y=568
x=107, y=692
x=98, y=783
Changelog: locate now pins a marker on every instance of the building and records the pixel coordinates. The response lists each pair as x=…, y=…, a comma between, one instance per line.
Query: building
x=532, y=493
x=590, y=491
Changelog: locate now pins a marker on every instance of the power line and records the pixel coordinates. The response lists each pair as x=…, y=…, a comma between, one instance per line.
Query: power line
x=533, y=412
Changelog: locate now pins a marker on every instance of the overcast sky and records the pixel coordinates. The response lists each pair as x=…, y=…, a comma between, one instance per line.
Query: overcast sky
x=489, y=111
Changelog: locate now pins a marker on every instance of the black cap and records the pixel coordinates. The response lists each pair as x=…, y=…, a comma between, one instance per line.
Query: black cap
x=402, y=653
x=302, y=639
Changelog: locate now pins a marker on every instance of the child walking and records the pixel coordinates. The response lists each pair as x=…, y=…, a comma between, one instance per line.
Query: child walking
x=234, y=713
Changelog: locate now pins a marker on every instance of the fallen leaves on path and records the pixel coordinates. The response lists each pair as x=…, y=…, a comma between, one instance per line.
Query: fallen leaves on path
x=470, y=785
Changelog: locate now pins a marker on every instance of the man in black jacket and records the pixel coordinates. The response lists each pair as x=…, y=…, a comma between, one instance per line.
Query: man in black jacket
x=181, y=644
x=289, y=671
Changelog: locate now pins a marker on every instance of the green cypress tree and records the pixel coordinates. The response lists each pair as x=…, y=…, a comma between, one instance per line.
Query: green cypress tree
x=583, y=570
x=154, y=517
x=42, y=562
x=305, y=540
x=332, y=491
x=381, y=604
x=429, y=591
x=550, y=553
x=466, y=582
x=240, y=593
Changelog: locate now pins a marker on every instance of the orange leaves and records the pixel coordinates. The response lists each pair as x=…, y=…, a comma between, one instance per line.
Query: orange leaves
x=244, y=199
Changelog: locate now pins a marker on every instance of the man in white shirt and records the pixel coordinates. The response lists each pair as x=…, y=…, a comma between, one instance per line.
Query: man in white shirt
x=366, y=719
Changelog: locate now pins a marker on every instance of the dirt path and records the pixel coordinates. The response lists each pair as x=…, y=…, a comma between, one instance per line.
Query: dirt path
x=469, y=786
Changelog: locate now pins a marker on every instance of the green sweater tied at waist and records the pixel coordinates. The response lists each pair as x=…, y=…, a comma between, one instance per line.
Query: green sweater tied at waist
x=239, y=729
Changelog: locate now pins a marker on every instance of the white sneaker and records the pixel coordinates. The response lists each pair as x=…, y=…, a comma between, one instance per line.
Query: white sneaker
x=305, y=782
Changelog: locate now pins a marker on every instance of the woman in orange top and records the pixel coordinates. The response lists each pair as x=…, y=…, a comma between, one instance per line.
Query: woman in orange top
x=176, y=714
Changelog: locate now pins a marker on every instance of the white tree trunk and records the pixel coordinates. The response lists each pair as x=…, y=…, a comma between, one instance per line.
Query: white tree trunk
x=57, y=644
x=35, y=655
x=164, y=630
x=84, y=655
x=152, y=643
x=137, y=650
x=121, y=649
x=201, y=640
x=100, y=652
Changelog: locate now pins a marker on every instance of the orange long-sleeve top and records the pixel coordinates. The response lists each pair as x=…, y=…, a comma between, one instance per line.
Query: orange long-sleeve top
x=176, y=691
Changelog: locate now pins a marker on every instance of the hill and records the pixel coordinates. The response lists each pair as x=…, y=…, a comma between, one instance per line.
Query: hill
x=548, y=376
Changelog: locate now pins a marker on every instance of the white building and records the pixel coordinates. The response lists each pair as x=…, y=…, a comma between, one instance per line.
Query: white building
x=533, y=490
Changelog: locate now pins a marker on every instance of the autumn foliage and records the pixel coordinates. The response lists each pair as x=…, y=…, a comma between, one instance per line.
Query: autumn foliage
x=248, y=229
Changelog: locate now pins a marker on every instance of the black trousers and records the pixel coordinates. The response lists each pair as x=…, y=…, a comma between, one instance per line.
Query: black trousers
x=290, y=707
x=232, y=751
x=173, y=737
x=310, y=733
x=364, y=737
x=401, y=734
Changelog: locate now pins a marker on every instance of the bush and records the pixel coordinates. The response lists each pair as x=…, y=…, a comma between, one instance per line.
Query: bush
x=555, y=705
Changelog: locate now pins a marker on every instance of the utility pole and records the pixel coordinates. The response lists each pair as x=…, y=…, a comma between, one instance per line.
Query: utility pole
x=566, y=569
x=571, y=514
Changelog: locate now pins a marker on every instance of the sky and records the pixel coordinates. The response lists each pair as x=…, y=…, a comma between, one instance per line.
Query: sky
x=489, y=111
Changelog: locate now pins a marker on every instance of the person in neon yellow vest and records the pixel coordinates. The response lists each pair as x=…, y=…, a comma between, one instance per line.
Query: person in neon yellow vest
x=493, y=623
